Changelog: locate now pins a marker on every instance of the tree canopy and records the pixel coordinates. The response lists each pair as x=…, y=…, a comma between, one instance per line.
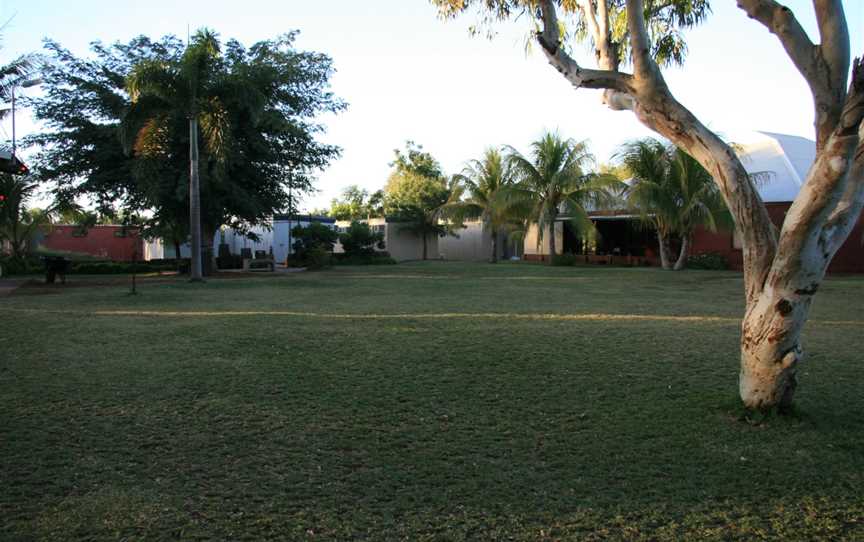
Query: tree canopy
x=357, y=203
x=417, y=191
x=673, y=193
x=118, y=146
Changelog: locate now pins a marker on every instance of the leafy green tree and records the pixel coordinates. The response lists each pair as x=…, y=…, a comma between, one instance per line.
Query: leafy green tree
x=486, y=183
x=417, y=194
x=136, y=156
x=360, y=240
x=356, y=203
x=313, y=244
x=415, y=160
x=555, y=180
x=191, y=88
x=18, y=223
x=673, y=193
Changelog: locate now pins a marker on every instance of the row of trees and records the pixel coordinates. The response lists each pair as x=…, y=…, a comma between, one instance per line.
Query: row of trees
x=508, y=191
x=183, y=138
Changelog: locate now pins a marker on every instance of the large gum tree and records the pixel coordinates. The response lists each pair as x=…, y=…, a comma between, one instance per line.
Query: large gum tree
x=782, y=269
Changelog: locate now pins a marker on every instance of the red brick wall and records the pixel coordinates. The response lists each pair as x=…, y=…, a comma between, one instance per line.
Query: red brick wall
x=100, y=241
x=849, y=259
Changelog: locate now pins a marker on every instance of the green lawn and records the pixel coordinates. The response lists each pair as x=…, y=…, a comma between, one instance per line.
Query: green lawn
x=434, y=401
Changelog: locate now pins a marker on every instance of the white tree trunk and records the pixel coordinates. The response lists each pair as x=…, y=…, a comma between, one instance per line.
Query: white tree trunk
x=781, y=273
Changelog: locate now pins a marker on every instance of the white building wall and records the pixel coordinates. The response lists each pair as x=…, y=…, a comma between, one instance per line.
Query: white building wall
x=535, y=246
x=276, y=236
x=471, y=244
x=402, y=245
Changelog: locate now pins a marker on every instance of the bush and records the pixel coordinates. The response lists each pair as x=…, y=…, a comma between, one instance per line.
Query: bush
x=118, y=268
x=566, y=259
x=707, y=260
x=230, y=261
x=20, y=266
x=360, y=240
x=313, y=245
x=376, y=258
x=317, y=258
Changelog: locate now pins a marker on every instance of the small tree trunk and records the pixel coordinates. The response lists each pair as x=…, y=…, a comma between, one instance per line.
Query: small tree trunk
x=552, y=250
x=663, y=241
x=424, y=247
x=177, y=260
x=194, y=201
x=494, y=257
x=682, y=256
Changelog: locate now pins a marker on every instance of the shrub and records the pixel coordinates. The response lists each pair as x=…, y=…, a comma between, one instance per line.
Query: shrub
x=117, y=268
x=707, y=260
x=376, y=258
x=360, y=240
x=311, y=244
x=20, y=266
x=566, y=259
x=317, y=258
x=230, y=261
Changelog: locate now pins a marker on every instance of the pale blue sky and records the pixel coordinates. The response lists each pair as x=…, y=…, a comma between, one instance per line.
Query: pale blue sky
x=408, y=75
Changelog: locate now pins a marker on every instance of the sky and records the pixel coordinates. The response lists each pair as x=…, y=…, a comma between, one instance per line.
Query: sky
x=407, y=75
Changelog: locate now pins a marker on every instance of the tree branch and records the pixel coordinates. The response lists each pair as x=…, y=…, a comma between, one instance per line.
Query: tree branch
x=844, y=217
x=640, y=46
x=834, y=40
x=825, y=66
x=591, y=17
x=780, y=21
x=550, y=42
x=823, y=207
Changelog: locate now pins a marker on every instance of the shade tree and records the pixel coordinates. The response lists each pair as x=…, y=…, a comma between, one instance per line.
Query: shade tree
x=632, y=41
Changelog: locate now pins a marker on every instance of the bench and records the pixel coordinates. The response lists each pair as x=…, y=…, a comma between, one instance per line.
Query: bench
x=259, y=264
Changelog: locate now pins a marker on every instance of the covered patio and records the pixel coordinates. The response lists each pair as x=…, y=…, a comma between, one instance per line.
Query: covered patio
x=621, y=239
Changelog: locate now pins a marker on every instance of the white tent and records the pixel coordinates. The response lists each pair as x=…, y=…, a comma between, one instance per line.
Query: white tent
x=779, y=161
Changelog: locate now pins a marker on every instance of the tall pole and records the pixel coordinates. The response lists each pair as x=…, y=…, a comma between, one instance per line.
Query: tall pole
x=290, y=217
x=194, y=200
x=13, y=121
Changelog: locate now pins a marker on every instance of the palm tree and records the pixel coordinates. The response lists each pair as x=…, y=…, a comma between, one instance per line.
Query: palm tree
x=486, y=181
x=673, y=193
x=14, y=74
x=17, y=222
x=555, y=180
x=190, y=87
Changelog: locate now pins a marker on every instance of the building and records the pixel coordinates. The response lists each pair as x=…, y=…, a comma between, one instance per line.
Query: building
x=111, y=242
x=779, y=164
x=273, y=235
x=473, y=243
x=401, y=244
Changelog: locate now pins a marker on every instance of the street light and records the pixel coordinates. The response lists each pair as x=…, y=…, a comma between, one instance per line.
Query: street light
x=24, y=84
x=9, y=162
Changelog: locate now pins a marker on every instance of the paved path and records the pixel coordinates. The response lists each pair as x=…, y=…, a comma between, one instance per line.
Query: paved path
x=8, y=285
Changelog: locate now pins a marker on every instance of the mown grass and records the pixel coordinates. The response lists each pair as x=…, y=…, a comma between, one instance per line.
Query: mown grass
x=428, y=401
